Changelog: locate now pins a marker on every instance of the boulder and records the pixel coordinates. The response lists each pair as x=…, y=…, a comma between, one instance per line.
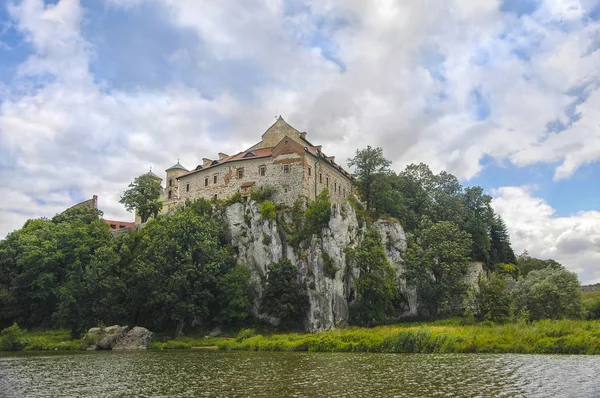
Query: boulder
x=111, y=337
x=137, y=338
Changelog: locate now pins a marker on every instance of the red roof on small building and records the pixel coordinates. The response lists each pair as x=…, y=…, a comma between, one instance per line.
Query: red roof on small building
x=116, y=225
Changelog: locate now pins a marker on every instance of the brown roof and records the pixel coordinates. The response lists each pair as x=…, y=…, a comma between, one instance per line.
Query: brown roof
x=116, y=225
x=245, y=155
x=247, y=184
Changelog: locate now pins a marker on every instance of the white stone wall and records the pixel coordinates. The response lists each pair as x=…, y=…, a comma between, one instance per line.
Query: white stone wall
x=339, y=186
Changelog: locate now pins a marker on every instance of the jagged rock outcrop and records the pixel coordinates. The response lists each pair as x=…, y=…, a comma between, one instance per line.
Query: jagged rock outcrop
x=261, y=242
x=117, y=338
x=137, y=338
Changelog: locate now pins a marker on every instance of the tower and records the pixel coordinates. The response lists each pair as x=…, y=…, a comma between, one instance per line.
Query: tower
x=172, y=184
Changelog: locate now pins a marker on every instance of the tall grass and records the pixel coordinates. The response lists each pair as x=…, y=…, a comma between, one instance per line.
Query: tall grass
x=543, y=337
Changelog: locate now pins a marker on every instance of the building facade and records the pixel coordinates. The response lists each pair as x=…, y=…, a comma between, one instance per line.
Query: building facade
x=284, y=159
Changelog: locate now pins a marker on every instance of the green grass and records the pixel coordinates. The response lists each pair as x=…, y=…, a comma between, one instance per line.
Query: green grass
x=445, y=336
x=543, y=337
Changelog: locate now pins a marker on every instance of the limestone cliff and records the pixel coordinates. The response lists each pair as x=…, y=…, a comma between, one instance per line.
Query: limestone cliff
x=261, y=242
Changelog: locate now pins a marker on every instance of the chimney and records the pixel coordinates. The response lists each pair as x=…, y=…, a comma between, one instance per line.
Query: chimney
x=222, y=156
x=319, y=148
x=331, y=159
x=95, y=200
x=206, y=162
x=303, y=135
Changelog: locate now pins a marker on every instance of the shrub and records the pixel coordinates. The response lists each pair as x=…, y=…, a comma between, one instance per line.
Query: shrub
x=549, y=293
x=591, y=302
x=317, y=214
x=235, y=198
x=263, y=193
x=328, y=268
x=283, y=296
x=492, y=301
x=12, y=338
x=267, y=210
x=245, y=334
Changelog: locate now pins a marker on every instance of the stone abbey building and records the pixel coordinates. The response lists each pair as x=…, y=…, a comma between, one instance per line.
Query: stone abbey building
x=283, y=159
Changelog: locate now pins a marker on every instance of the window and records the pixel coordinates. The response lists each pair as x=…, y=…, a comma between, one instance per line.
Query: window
x=309, y=171
x=327, y=180
x=335, y=187
x=170, y=182
x=286, y=168
x=320, y=178
x=170, y=194
x=344, y=193
x=215, y=197
x=187, y=187
x=214, y=179
x=240, y=172
x=262, y=171
x=340, y=189
x=206, y=182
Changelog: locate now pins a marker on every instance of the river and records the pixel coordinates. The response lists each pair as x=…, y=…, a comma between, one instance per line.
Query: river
x=199, y=373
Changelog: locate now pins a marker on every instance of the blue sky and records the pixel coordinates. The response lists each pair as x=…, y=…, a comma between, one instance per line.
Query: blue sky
x=502, y=93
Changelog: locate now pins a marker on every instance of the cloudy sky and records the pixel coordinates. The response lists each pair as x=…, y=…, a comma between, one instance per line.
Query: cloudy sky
x=502, y=93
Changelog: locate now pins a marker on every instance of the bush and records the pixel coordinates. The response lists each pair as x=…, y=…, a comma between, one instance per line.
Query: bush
x=261, y=194
x=591, y=302
x=245, y=334
x=492, y=301
x=317, y=214
x=549, y=293
x=267, y=210
x=235, y=198
x=12, y=338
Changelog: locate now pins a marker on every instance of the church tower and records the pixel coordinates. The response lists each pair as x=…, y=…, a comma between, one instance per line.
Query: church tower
x=172, y=184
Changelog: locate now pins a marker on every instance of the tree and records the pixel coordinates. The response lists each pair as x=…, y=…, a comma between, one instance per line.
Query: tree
x=549, y=293
x=500, y=249
x=437, y=260
x=369, y=163
x=376, y=288
x=317, y=215
x=284, y=297
x=235, y=295
x=491, y=299
x=478, y=222
x=142, y=196
x=526, y=264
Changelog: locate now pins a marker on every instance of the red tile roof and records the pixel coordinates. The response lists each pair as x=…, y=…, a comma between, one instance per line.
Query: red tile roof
x=245, y=155
x=116, y=225
x=247, y=184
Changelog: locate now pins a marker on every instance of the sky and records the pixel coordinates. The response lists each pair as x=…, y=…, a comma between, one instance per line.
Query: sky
x=504, y=94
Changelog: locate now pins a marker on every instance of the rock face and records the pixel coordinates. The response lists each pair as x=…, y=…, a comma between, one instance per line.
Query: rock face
x=261, y=242
x=137, y=338
x=117, y=338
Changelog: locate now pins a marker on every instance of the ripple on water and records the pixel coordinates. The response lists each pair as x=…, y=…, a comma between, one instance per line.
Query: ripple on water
x=241, y=374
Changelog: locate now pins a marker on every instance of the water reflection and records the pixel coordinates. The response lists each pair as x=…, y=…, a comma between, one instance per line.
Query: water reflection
x=249, y=374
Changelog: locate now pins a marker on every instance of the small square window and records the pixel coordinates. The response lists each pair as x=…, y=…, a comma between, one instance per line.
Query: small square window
x=262, y=171
x=206, y=182
x=240, y=173
x=187, y=188
x=214, y=179
x=286, y=168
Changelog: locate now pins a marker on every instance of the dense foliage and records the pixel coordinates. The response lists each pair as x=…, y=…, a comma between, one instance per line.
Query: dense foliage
x=284, y=297
x=142, y=197
x=177, y=271
x=376, y=287
x=549, y=293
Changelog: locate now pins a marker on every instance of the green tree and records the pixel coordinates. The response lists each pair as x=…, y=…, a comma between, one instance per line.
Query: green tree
x=376, y=288
x=491, y=298
x=142, y=197
x=369, y=163
x=284, y=297
x=549, y=293
x=317, y=215
x=478, y=223
x=235, y=295
x=500, y=249
x=437, y=260
x=526, y=264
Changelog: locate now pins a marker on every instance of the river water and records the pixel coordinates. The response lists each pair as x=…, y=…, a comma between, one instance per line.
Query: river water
x=199, y=373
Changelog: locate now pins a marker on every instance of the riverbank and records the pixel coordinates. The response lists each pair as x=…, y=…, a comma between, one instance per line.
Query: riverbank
x=449, y=336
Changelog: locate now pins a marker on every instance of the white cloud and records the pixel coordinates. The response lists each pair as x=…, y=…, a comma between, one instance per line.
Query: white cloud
x=573, y=241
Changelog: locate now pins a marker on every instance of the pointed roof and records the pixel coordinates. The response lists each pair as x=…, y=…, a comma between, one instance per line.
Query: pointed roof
x=150, y=173
x=282, y=127
x=177, y=166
